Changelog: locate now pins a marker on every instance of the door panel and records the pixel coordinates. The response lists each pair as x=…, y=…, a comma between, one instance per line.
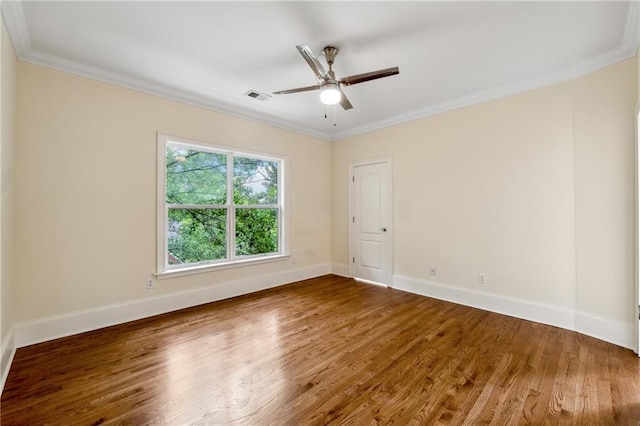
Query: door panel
x=370, y=227
x=370, y=254
x=370, y=203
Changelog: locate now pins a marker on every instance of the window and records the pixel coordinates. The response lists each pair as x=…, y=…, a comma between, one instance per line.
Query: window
x=217, y=207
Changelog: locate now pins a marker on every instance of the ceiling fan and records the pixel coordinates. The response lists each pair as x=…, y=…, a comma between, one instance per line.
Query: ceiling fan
x=330, y=88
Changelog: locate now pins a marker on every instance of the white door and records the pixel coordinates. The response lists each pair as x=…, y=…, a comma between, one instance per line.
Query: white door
x=371, y=222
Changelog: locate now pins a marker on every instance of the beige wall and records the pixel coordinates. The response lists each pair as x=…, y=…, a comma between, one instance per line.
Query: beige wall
x=535, y=190
x=604, y=139
x=86, y=205
x=8, y=90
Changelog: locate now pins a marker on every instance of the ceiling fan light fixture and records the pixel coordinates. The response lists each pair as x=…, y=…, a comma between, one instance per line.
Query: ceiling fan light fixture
x=330, y=95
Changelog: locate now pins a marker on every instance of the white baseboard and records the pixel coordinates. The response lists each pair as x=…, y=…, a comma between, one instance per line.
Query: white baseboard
x=612, y=331
x=44, y=329
x=618, y=333
x=340, y=269
x=8, y=350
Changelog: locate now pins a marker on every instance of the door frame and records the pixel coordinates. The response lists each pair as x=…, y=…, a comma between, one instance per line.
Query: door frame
x=390, y=230
x=637, y=226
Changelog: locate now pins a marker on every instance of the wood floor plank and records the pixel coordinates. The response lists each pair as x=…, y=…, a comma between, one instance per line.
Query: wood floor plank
x=324, y=351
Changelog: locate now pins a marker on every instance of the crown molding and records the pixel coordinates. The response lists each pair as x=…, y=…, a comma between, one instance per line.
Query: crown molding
x=627, y=49
x=17, y=27
x=15, y=22
x=165, y=91
x=631, y=37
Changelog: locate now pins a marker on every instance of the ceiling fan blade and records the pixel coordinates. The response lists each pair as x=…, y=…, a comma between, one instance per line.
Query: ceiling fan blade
x=361, y=78
x=299, y=89
x=315, y=65
x=344, y=101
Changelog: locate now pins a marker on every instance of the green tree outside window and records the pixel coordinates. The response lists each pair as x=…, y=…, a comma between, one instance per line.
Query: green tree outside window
x=198, y=205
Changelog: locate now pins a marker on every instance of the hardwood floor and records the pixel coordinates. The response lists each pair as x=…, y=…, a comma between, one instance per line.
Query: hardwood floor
x=324, y=351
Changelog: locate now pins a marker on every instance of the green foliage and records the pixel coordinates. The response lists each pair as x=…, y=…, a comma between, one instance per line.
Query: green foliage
x=197, y=235
x=255, y=182
x=199, y=178
x=256, y=231
x=195, y=177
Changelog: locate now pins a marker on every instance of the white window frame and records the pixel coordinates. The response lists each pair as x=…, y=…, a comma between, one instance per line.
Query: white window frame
x=164, y=270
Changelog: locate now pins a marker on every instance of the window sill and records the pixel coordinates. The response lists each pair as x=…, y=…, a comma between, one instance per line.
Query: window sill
x=200, y=269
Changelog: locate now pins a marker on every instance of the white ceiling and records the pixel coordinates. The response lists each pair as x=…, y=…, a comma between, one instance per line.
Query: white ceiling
x=450, y=54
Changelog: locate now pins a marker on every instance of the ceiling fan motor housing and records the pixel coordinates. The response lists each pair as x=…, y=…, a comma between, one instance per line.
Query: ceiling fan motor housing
x=330, y=53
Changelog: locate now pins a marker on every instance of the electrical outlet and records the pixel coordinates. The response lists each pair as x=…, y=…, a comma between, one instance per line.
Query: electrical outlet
x=150, y=283
x=432, y=270
x=482, y=278
x=293, y=259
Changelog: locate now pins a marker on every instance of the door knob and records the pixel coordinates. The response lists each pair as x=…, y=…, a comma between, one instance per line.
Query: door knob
x=383, y=229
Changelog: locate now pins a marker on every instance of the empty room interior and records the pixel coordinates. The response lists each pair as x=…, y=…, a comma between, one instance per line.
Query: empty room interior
x=319, y=213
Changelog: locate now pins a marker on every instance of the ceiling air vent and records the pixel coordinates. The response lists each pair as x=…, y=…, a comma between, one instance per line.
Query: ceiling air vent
x=257, y=95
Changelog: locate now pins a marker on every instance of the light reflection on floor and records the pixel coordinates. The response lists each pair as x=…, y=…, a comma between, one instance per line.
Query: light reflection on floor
x=238, y=372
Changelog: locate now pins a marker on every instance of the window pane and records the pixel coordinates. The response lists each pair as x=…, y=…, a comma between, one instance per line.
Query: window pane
x=255, y=181
x=196, y=235
x=256, y=231
x=195, y=177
